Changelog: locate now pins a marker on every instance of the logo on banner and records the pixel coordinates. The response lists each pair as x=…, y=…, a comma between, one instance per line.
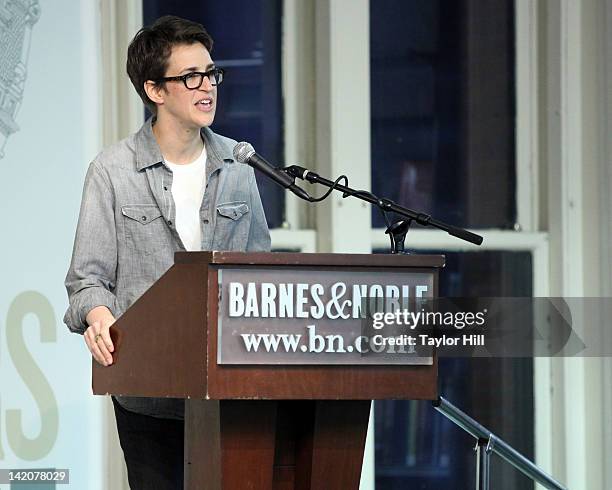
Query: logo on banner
x=268, y=316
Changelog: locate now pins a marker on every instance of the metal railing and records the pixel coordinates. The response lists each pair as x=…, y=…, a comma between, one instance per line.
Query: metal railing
x=487, y=443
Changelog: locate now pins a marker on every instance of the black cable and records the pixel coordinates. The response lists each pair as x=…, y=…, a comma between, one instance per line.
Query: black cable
x=329, y=191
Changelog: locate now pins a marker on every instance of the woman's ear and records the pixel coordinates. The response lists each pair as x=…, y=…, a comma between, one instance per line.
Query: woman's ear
x=154, y=91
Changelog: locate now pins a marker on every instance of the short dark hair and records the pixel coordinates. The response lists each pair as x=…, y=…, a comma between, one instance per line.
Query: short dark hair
x=149, y=51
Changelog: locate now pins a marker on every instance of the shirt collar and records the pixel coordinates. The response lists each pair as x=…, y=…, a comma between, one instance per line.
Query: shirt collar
x=149, y=154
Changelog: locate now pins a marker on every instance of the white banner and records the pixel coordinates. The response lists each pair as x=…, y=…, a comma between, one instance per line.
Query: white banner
x=49, y=92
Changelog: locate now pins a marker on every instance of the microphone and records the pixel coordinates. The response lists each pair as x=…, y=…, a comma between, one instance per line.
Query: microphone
x=245, y=153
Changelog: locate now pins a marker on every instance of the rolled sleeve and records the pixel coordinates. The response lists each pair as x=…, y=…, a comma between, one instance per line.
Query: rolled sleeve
x=91, y=278
x=259, y=235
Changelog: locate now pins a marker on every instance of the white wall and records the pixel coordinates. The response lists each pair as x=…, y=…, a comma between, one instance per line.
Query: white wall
x=45, y=371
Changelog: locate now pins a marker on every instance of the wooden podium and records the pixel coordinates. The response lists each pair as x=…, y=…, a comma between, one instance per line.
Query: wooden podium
x=260, y=426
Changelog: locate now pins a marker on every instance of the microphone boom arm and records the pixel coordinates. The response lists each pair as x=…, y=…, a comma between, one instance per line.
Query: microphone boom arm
x=386, y=205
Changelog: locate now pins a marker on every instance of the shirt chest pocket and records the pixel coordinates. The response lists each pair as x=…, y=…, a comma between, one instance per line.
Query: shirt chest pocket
x=233, y=210
x=144, y=227
x=232, y=228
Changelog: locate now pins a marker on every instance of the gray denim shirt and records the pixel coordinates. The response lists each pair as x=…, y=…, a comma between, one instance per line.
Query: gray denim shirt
x=126, y=237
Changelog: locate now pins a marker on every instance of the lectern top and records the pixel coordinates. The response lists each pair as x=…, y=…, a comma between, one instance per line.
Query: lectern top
x=311, y=259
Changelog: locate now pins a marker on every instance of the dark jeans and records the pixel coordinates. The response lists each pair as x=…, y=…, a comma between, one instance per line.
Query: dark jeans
x=153, y=450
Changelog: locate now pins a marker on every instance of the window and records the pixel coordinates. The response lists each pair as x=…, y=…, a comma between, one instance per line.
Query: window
x=442, y=132
x=417, y=447
x=442, y=105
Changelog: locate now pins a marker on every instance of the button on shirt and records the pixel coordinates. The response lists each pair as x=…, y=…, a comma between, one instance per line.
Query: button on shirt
x=188, y=183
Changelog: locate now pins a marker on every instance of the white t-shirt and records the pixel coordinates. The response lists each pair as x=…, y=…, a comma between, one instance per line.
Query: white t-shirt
x=188, y=183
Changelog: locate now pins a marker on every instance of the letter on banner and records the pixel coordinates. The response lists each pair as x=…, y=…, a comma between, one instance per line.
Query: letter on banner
x=236, y=302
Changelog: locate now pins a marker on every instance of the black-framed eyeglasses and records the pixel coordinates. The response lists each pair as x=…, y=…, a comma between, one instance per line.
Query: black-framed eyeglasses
x=194, y=79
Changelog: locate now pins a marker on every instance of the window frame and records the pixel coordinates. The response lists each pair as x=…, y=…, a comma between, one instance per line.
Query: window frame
x=525, y=237
x=549, y=60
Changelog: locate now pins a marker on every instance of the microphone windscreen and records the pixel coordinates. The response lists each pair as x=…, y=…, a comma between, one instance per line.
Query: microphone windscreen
x=243, y=151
